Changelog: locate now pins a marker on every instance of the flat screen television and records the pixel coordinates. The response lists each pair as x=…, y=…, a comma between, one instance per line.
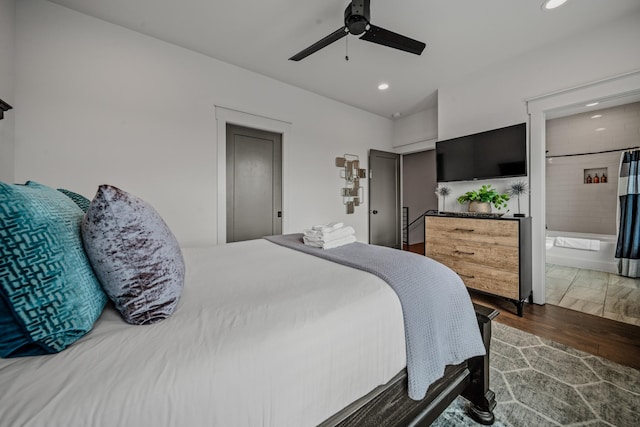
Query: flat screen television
x=498, y=153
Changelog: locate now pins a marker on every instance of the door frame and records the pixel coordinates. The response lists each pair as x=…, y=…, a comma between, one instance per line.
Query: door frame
x=538, y=108
x=226, y=116
x=398, y=194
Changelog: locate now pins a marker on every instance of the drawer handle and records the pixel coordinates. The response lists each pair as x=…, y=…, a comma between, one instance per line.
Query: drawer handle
x=468, y=230
x=464, y=253
x=468, y=277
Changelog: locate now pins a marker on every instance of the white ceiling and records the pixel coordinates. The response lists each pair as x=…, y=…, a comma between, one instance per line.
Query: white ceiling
x=462, y=37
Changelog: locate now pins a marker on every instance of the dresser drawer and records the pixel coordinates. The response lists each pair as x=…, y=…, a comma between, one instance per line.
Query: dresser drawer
x=473, y=230
x=491, y=255
x=504, y=258
x=486, y=279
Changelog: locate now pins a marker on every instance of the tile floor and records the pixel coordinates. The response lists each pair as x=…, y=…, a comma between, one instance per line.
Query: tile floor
x=594, y=292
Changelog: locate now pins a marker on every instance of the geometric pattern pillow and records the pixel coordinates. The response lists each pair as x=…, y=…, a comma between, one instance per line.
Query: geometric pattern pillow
x=49, y=295
x=134, y=255
x=78, y=199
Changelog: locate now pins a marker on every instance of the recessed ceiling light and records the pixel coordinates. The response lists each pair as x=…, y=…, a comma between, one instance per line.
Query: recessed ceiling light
x=383, y=86
x=552, y=4
x=592, y=104
x=597, y=116
x=600, y=129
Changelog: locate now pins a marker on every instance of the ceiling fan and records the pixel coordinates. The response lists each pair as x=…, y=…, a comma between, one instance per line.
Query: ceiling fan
x=356, y=22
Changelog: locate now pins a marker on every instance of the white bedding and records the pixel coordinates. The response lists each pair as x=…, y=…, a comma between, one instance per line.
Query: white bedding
x=262, y=336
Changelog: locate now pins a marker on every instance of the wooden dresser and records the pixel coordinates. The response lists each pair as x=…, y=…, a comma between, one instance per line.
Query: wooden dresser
x=491, y=255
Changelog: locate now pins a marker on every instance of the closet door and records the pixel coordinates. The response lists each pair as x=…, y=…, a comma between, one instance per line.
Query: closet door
x=254, y=183
x=384, y=199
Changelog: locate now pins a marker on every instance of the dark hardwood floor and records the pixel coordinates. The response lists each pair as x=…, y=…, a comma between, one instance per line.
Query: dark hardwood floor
x=613, y=340
x=596, y=335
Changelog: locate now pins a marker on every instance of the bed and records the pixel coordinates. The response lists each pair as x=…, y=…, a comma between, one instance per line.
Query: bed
x=225, y=357
x=263, y=335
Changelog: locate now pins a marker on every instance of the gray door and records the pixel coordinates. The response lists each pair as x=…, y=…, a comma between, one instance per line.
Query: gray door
x=384, y=199
x=254, y=183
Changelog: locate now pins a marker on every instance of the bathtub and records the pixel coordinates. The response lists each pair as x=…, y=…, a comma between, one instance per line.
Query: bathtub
x=602, y=260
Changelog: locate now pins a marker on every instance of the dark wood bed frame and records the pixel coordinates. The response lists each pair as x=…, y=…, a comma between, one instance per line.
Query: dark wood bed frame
x=389, y=404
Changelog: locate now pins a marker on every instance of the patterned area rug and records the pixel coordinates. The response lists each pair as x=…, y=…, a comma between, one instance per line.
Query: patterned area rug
x=541, y=383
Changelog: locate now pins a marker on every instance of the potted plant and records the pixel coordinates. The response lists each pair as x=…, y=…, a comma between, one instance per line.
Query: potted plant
x=518, y=188
x=481, y=200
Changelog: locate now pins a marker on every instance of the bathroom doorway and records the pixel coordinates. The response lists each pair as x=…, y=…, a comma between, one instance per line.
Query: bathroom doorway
x=582, y=160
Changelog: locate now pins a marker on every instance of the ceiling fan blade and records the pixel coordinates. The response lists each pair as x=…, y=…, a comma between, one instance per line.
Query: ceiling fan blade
x=335, y=36
x=389, y=38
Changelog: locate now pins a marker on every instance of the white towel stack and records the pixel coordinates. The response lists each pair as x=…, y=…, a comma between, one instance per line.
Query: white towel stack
x=328, y=236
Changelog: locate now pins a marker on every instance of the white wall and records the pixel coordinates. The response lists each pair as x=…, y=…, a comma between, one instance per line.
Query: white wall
x=496, y=97
x=7, y=52
x=102, y=104
x=416, y=132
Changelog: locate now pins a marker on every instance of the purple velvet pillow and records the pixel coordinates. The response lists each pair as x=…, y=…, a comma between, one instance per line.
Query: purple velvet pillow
x=134, y=255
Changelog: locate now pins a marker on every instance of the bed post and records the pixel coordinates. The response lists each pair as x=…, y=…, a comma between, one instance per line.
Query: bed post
x=482, y=399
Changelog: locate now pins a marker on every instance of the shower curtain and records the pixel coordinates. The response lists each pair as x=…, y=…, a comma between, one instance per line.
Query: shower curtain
x=628, y=247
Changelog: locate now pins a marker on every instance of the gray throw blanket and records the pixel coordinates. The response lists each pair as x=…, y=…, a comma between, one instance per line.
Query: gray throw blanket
x=440, y=323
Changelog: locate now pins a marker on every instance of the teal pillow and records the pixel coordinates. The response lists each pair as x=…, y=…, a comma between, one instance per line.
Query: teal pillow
x=49, y=295
x=82, y=202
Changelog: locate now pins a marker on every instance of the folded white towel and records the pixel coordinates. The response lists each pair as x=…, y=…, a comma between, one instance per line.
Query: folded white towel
x=327, y=227
x=330, y=236
x=330, y=245
x=576, y=243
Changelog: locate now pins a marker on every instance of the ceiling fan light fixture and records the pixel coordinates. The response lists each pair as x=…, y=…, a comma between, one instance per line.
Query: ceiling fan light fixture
x=552, y=4
x=356, y=22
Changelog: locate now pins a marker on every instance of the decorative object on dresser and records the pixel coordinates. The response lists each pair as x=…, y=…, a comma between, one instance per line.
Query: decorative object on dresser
x=480, y=200
x=491, y=255
x=444, y=191
x=4, y=107
x=352, y=195
x=518, y=188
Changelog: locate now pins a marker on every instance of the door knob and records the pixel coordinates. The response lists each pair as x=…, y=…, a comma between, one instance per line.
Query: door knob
x=374, y=212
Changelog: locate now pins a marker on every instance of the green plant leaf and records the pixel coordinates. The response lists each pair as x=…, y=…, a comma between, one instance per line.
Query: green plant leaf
x=486, y=194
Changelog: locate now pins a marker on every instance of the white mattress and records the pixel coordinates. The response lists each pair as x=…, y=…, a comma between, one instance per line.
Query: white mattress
x=262, y=336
